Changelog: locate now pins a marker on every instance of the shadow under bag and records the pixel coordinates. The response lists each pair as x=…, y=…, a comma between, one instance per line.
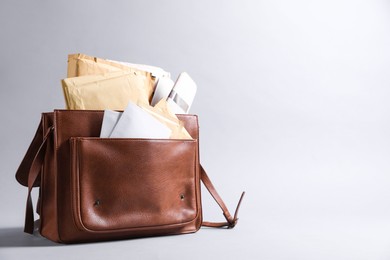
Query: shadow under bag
x=94, y=189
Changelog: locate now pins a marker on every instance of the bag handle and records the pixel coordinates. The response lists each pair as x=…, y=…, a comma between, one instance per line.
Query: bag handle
x=32, y=177
x=28, y=174
x=23, y=171
x=231, y=222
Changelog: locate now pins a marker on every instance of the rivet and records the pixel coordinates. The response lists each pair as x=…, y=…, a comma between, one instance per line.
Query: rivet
x=97, y=203
x=182, y=196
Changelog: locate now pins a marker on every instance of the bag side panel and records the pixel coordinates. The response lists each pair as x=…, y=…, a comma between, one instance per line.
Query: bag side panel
x=190, y=124
x=70, y=123
x=48, y=211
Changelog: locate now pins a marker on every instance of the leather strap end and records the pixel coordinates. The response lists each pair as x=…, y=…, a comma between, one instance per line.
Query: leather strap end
x=29, y=218
x=233, y=223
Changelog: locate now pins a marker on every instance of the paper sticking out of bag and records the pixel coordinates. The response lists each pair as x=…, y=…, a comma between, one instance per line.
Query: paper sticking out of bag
x=98, y=84
x=110, y=118
x=163, y=113
x=163, y=88
x=179, y=94
x=83, y=65
x=182, y=95
x=118, y=124
x=137, y=123
x=112, y=91
x=155, y=71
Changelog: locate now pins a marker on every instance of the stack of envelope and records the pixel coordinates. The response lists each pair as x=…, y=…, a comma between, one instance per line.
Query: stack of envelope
x=105, y=74
x=99, y=84
x=134, y=122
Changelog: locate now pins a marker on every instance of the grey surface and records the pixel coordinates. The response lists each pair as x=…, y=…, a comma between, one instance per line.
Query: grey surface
x=293, y=103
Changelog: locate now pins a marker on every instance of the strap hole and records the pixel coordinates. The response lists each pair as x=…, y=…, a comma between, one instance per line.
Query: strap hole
x=97, y=203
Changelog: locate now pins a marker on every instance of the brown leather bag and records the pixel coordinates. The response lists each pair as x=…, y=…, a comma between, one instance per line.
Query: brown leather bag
x=94, y=189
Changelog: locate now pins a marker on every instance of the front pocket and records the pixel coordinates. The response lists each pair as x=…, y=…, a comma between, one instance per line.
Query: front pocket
x=124, y=184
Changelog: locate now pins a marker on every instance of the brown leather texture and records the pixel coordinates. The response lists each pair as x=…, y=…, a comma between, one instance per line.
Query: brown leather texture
x=154, y=180
x=94, y=189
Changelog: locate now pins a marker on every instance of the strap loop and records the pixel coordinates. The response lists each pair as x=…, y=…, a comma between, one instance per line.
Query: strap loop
x=235, y=220
x=231, y=222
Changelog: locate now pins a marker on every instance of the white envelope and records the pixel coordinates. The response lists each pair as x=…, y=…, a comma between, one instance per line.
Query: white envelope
x=110, y=119
x=163, y=88
x=155, y=71
x=137, y=123
x=183, y=93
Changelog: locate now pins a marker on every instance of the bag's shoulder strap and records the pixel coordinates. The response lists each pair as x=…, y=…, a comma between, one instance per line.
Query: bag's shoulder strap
x=28, y=174
x=23, y=171
x=33, y=175
x=231, y=222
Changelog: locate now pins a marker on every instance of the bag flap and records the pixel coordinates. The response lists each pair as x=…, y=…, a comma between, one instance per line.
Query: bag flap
x=120, y=183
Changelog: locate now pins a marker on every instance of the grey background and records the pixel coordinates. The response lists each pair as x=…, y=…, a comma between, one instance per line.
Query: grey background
x=293, y=102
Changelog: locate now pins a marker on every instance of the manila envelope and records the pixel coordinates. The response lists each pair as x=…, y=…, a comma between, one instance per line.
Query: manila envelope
x=111, y=90
x=83, y=65
x=162, y=112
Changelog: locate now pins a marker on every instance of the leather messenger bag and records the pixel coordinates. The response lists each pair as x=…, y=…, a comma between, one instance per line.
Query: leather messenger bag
x=94, y=189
